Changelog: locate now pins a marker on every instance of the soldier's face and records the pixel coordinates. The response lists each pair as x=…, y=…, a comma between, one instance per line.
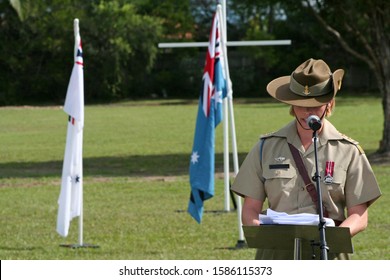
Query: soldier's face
x=302, y=113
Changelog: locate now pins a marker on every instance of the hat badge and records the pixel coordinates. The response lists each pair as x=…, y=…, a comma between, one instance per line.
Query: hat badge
x=307, y=91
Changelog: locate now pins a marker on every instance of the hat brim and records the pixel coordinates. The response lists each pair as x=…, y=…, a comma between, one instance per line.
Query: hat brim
x=280, y=90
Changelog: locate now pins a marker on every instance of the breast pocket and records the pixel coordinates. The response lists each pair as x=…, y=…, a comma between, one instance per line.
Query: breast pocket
x=279, y=178
x=336, y=186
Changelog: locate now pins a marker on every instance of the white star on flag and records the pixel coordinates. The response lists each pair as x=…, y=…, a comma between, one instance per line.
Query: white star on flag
x=194, y=157
x=218, y=96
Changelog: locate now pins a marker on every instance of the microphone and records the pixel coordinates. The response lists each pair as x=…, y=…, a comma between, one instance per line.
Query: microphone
x=314, y=122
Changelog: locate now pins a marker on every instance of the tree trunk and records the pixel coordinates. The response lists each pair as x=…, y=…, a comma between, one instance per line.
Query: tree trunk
x=375, y=40
x=381, y=41
x=384, y=147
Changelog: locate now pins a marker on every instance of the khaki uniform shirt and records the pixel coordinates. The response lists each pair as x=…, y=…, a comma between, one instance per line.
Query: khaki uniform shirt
x=276, y=178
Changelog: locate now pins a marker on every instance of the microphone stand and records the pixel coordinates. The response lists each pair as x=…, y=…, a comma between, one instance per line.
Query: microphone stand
x=321, y=226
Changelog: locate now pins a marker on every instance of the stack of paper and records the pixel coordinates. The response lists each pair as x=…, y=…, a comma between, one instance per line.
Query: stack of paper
x=273, y=217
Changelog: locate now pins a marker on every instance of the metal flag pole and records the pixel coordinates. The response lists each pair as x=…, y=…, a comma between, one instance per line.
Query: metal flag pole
x=77, y=36
x=226, y=166
x=229, y=109
x=221, y=13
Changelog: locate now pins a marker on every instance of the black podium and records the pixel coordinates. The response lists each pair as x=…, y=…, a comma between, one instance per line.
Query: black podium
x=297, y=238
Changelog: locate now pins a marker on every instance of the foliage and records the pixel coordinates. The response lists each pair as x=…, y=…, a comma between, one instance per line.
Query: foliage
x=120, y=40
x=362, y=30
x=18, y=8
x=176, y=73
x=38, y=56
x=120, y=52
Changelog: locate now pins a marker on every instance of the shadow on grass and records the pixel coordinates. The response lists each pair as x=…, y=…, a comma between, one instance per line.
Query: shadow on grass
x=23, y=248
x=133, y=166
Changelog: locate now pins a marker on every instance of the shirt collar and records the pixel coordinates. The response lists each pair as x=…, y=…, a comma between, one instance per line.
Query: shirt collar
x=329, y=132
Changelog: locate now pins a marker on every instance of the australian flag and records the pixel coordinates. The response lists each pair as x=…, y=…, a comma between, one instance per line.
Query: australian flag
x=209, y=116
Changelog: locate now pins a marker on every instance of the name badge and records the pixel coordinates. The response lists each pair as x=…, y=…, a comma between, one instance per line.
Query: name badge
x=279, y=166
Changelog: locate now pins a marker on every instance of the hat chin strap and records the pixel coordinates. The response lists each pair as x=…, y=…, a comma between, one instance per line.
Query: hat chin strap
x=323, y=115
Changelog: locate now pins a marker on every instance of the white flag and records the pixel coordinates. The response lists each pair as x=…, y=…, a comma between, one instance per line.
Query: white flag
x=71, y=195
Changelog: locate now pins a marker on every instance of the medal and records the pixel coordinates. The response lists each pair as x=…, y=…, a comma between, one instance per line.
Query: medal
x=329, y=168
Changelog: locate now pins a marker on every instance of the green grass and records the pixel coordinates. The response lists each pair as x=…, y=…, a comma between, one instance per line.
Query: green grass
x=136, y=188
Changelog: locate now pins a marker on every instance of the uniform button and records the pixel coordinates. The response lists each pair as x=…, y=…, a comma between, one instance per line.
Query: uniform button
x=277, y=172
x=302, y=188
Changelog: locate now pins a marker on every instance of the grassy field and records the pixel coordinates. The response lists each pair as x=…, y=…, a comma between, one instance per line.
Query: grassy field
x=136, y=189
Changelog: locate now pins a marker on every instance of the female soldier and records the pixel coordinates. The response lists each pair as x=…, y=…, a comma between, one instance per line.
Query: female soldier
x=348, y=185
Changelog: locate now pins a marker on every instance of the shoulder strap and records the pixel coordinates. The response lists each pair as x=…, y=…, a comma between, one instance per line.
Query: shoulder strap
x=302, y=170
x=350, y=140
x=262, y=140
x=261, y=150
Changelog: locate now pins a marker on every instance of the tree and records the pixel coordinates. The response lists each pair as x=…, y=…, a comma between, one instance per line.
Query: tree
x=359, y=28
x=36, y=53
x=362, y=28
x=18, y=8
x=121, y=46
x=174, y=71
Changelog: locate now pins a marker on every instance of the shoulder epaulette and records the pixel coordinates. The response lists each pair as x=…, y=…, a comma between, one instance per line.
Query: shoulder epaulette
x=267, y=135
x=356, y=143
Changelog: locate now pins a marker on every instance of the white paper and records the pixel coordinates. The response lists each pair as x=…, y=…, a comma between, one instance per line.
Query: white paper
x=273, y=217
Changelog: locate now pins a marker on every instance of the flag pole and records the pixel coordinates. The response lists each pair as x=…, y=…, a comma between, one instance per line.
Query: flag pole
x=76, y=29
x=226, y=167
x=81, y=242
x=226, y=155
x=229, y=105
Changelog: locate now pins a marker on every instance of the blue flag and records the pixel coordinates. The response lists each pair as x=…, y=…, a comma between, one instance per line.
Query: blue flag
x=209, y=116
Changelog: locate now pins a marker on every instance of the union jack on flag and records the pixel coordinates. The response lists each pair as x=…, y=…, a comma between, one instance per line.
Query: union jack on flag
x=209, y=116
x=79, y=55
x=212, y=87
